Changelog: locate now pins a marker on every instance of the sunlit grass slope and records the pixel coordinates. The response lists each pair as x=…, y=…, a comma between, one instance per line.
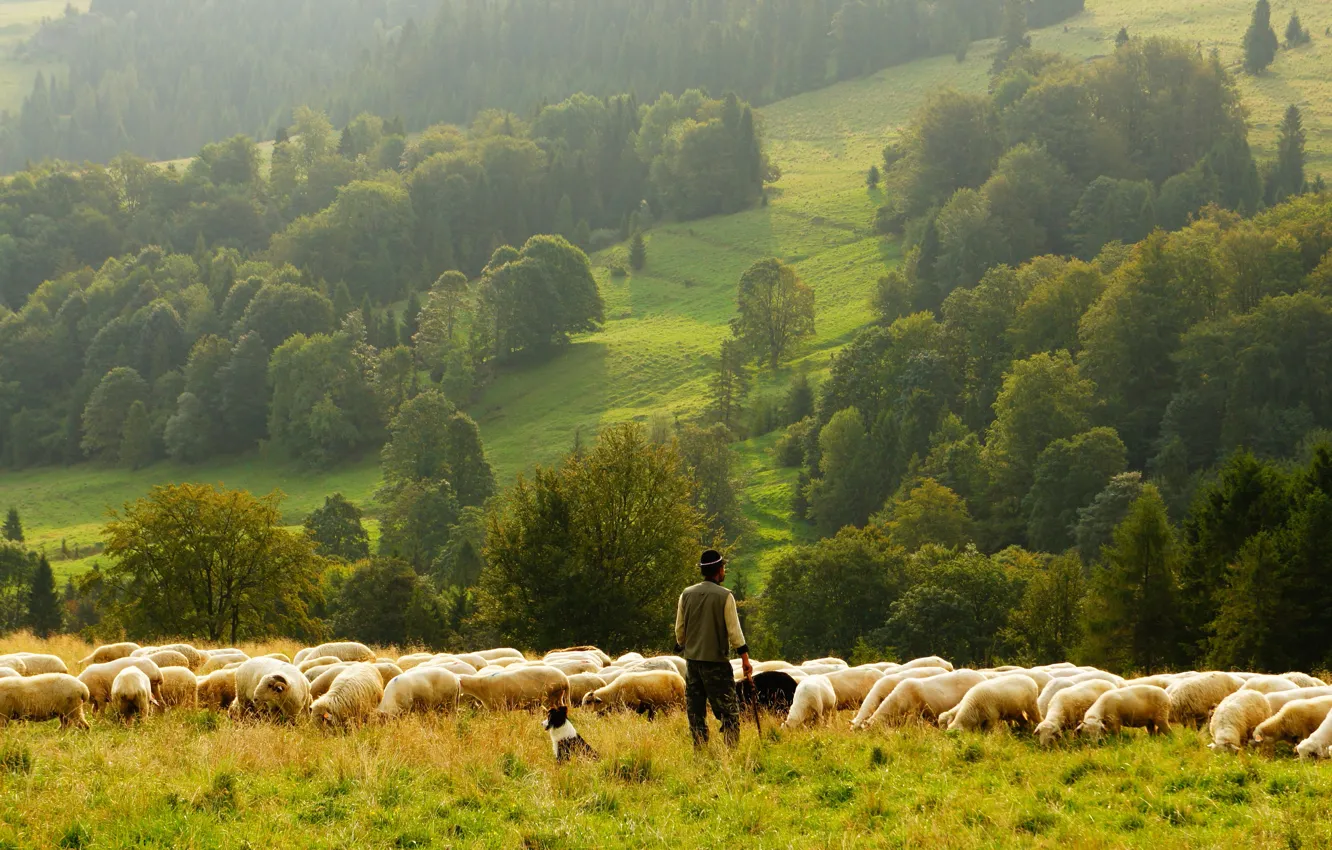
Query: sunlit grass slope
x=19, y=19
x=665, y=323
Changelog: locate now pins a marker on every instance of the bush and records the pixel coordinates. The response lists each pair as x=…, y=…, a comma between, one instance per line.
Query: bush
x=791, y=447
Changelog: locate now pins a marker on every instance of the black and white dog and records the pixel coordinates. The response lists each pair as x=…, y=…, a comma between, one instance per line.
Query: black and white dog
x=564, y=737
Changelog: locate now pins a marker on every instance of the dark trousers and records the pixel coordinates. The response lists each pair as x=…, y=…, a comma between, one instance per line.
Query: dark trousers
x=712, y=682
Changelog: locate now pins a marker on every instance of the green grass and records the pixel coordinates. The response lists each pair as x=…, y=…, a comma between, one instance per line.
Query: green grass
x=665, y=323
x=19, y=19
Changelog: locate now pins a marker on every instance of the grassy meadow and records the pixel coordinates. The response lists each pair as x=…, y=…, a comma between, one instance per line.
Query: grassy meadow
x=197, y=779
x=664, y=324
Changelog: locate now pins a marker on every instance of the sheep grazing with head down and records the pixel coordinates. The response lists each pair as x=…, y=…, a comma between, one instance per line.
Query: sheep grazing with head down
x=131, y=694
x=39, y=663
x=582, y=684
x=217, y=689
x=1192, y=700
x=167, y=658
x=924, y=698
x=194, y=658
x=10, y=672
x=180, y=688
x=1269, y=684
x=343, y=651
x=883, y=688
x=15, y=663
x=645, y=692
x=1067, y=708
x=517, y=687
x=109, y=652
x=420, y=689
x=928, y=661
x=220, y=660
x=1304, y=680
x=852, y=685
x=1297, y=720
x=271, y=687
x=320, y=684
x=1280, y=698
x=1009, y=698
x=815, y=701
x=1235, y=718
x=99, y=678
x=1135, y=706
x=46, y=696
x=353, y=697
x=1316, y=746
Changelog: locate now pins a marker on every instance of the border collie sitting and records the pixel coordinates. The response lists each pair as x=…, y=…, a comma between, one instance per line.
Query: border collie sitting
x=564, y=737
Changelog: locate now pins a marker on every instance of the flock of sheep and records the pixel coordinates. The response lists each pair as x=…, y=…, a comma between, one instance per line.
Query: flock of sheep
x=345, y=683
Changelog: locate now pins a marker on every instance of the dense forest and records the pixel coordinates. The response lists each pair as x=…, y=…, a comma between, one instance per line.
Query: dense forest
x=161, y=78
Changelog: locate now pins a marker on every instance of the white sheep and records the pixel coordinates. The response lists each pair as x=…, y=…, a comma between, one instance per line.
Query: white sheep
x=1280, y=698
x=420, y=689
x=10, y=672
x=15, y=663
x=517, y=687
x=194, y=658
x=1235, y=718
x=99, y=677
x=814, y=701
x=574, y=666
x=510, y=652
x=272, y=687
x=770, y=666
x=167, y=658
x=342, y=650
x=828, y=661
x=388, y=671
x=353, y=697
x=883, y=688
x=180, y=688
x=1297, y=720
x=1192, y=699
x=453, y=665
x=1270, y=684
x=1315, y=746
x=1160, y=680
x=1304, y=680
x=477, y=661
x=220, y=660
x=645, y=691
x=1135, y=706
x=928, y=661
x=311, y=663
x=320, y=684
x=217, y=689
x=1067, y=707
x=46, y=696
x=414, y=659
x=926, y=697
x=852, y=685
x=131, y=694
x=1010, y=698
x=39, y=663
x=674, y=663
x=582, y=684
x=109, y=652
x=627, y=658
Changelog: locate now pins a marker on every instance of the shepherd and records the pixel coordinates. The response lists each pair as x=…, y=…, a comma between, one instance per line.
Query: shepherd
x=707, y=630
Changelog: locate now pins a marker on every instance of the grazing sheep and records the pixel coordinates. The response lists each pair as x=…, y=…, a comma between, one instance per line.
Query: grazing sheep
x=110, y=652
x=505, y=662
x=574, y=666
x=1280, y=698
x=388, y=671
x=420, y=689
x=517, y=687
x=928, y=697
x=645, y=692
x=852, y=685
x=220, y=660
x=477, y=661
x=1048, y=692
x=673, y=663
x=1270, y=684
x=218, y=689
x=884, y=687
x=99, y=678
x=814, y=701
x=193, y=657
x=453, y=665
x=1067, y=707
x=1315, y=746
x=168, y=658
x=1008, y=698
x=1235, y=718
x=1136, y=705
x=773, y=690
x=320, y=684
x=10, y=672
x=582, y=684
x=769, y=666
x=1303, y=680
x=1162, y=681
x=829, y=661
x=627, y=658
x=930, y=661
x=509, y=652
x=1192, y=699
x=131, y=694
x=415, y=659
x=38, y=663
x=819, y=669
x=46, y=696
x=15, y=663
x=272, y=687
x=1297, y=720
x=593, y=651
x=353, y=697
x=322, y=661
x=343, y=651
x=180, y=688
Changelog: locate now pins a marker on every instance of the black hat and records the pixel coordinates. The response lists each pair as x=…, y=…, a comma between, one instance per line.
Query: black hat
x=711, y=561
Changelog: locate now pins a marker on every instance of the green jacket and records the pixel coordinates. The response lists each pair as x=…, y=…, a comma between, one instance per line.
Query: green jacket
x=707, y=625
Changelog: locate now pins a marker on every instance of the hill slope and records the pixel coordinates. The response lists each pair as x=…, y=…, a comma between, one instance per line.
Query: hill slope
x=665, y=323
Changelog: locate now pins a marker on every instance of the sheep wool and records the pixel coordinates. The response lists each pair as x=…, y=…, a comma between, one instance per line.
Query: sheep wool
x=46, y=696
x=1280, y=698
x=1137, y=706
x=343, y=651
x=1009, y=698
x=353, y=697
x=509, y=652
x=1297, y=720
x=582, y=684
x=269, y=686
x=168, y=658
x=420, y=689
x=37, y=663
x=1192, y=699
x=99, y=677
x=15, y=663
x=131, y=694
x=1304, y=680
x=517, y=687
x=180, y=688
x=647, y=691
x=1315, y=746
x=109, y=652
x=220, y=660
x=1270, y=684
x=320, y=684
x=1067, y=708
x=217, y=689
x=814, y=701
x=928, y=697
x=883, y=688
x=852, y=685
x=8, y=672
x=1235, y=718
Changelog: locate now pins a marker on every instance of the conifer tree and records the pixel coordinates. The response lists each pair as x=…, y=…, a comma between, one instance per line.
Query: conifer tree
x=1296, y=34
x=13, y=526
x=1260, y=40
x=637, y=251
x=43, y=603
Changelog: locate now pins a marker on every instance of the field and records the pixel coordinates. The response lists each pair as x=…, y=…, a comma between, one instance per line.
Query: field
x=665, y=324
x=19, y=19
x=197, y=779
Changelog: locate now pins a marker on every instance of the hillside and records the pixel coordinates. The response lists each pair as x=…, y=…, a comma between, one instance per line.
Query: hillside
x=664, y=324
x=19, y=19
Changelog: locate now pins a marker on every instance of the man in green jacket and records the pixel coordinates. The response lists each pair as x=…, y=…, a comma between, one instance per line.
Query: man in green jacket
x=707, y=630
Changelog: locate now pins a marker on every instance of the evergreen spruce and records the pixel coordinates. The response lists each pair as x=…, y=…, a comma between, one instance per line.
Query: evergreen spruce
x=1121, y=37
x=43, y=603
x=637, y=251
x=1296, y=34
x=13, y=526
x=872, y=179
x=1260, y=40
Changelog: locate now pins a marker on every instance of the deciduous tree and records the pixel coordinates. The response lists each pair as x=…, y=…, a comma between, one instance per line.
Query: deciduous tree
x=776, y=309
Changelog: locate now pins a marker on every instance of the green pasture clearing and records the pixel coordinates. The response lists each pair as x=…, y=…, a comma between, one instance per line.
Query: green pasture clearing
x=664, y=324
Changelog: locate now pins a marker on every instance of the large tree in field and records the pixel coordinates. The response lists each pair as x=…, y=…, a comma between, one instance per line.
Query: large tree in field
x=776, y=309
x=595, y=550
x=193, y=561
x=1260, y=40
